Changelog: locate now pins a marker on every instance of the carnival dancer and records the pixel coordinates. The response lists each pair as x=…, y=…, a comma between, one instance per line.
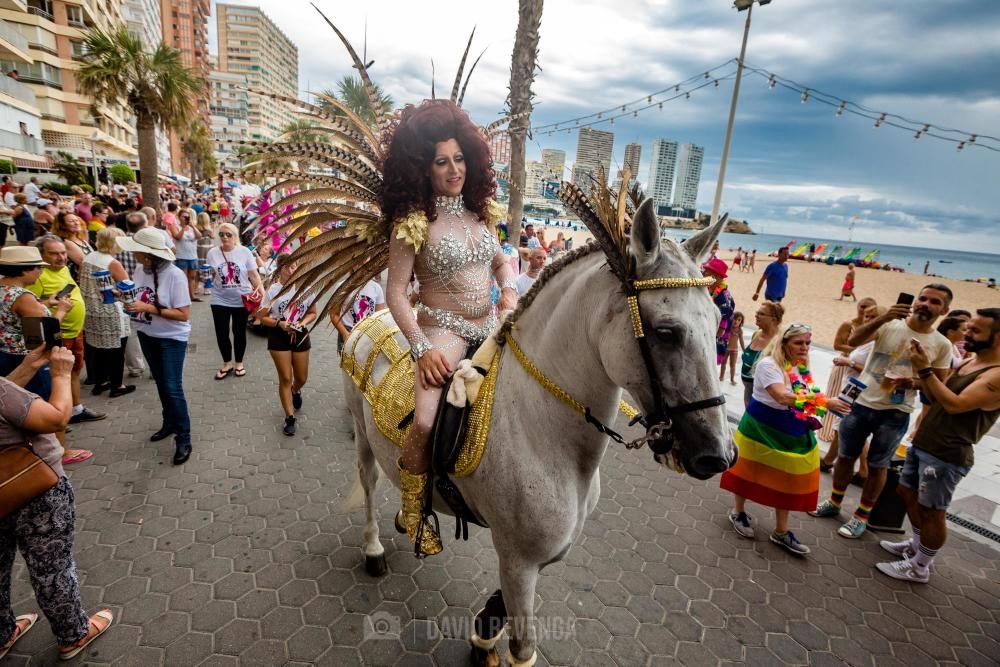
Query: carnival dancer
x=778, y=464
x=438, y=186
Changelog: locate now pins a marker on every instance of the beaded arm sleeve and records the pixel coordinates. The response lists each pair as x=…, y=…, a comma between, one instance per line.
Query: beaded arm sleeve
x=503, y=271
x=402, y=257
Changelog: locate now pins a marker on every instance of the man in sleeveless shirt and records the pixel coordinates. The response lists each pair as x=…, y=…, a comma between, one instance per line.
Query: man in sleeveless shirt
x=964, y=409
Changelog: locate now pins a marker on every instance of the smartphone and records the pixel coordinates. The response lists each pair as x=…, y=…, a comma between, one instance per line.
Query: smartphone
x=41, y=331
x=905, y=299
x=65, y=291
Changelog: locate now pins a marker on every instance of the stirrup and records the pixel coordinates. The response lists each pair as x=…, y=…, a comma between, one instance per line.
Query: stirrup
x=424, y=536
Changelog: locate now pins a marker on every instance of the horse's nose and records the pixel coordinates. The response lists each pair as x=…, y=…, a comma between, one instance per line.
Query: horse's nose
x=706, y=465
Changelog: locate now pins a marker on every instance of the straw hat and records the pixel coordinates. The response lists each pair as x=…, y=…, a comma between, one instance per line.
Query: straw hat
x=20, y=256
x=148, y=240
x=716, y=266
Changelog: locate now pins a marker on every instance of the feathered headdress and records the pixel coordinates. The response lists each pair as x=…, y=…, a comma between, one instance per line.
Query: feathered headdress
x=352, y=245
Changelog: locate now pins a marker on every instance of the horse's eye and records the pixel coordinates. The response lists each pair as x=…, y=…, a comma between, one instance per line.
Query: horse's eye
x=668, y=335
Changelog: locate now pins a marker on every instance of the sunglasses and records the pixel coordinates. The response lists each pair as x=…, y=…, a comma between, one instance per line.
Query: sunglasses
x=225, y=235
x=796, y=329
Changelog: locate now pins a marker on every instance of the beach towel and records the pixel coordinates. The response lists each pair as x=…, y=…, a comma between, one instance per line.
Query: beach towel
x=779, y=461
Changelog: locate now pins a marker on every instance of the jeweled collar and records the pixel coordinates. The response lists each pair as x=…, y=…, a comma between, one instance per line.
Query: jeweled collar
x=454, y=205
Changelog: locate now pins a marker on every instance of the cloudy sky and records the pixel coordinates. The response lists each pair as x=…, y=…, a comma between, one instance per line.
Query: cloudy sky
x=791, y=164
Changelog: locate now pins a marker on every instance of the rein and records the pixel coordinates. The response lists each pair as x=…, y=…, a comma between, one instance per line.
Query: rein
x=659, y=423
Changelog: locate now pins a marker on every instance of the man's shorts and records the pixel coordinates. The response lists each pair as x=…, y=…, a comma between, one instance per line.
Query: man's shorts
x=934, y=480
x=886, y=428
x=75, y=345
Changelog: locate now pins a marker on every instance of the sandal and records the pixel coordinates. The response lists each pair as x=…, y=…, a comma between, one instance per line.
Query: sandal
x=240, y=372
x=73, y=650
x=223, y=373
x=19, y=631
x=76, y=456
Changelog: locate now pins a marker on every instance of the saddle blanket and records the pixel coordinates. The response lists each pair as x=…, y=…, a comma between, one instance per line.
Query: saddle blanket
x=377, y=358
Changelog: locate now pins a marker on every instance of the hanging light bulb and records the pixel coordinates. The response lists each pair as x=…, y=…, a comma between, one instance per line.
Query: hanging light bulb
x=972, y=138
x=677, y=88
x=961, y=145
x=635, y=114
x=805, y=95
x=878, y=123
x=600, y=114
x=707, y=76
x=661, y=106
x=612, y=120
x=687, y=95
x=919, y=134
x=557, y=126
x=771, y=81
x=840, y=109
x=649, y=99
x=623, y=107
x=716, y=83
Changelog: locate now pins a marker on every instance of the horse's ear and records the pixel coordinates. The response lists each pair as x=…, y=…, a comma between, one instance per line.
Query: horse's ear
x=699, y=245
x=645, y=234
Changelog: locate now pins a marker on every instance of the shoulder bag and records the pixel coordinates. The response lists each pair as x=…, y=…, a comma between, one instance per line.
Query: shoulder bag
x=23, y=477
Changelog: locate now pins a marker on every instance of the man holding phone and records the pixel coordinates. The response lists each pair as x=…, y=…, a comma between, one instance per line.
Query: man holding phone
x=53, y=284
x=882, y=412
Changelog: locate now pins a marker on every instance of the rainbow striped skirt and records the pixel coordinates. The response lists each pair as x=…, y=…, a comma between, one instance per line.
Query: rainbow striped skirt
x=779, y=460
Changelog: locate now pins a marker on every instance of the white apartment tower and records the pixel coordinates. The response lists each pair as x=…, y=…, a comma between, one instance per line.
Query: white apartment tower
x=227, y=112
x=633, y=153
x=593, y=151
x=555, y=162
x=688, y=176
x=535, y=175
x=250, y=45
x=661, y=171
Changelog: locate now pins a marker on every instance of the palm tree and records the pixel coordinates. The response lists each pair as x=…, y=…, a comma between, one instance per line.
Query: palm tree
x=522, y=74
x=351, y=93
x=197, y=149
x=156, y=86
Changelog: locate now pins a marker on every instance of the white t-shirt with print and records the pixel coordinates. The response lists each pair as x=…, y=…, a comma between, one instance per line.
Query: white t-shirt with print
x=891, y=353
x=172, y=292
x=370, y=296
x=765, y=374
x=232, y=269
x=279, y=306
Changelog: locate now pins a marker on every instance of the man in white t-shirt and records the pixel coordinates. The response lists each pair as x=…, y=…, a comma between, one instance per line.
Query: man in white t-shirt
x=370, y=299
x=536, y=262
x=31, y=191
x=882, y=412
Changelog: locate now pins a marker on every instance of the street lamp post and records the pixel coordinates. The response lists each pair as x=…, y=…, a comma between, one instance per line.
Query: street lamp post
x=740, y=6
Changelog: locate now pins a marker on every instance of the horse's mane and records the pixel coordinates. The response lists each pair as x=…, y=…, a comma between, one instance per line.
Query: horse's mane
x=547, y=273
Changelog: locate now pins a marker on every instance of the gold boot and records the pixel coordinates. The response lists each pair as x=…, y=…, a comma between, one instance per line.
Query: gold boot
x=412, y=487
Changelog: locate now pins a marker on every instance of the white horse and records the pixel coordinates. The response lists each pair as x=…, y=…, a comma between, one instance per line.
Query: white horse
x=538, y=479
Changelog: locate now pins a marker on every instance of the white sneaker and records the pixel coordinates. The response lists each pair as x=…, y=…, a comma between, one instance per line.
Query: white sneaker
x=742, y=523
x=902, y=549
x=905, y=570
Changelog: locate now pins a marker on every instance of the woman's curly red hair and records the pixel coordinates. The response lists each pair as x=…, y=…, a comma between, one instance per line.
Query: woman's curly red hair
x=412, y=141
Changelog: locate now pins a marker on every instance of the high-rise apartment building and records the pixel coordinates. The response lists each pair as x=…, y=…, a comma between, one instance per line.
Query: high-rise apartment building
x=252, y=46
x=661, y=172
x=142, y=17
x=230, y=104
x=185, y=27
x=593, y=151
x=535, y=176
x=43, y=41
x=633, y=153
x=688, y=176
x=555, y=162
x=500, y=148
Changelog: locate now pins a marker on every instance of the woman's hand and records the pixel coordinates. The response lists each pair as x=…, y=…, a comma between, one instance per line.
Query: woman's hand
x=508, y=299
x=433, y=369
x=842, y=361
x=60, y=362
x=140, y=307
x=839, y=406
x=284, y=325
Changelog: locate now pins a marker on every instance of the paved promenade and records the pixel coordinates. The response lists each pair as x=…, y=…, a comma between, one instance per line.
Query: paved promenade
x=246, y=556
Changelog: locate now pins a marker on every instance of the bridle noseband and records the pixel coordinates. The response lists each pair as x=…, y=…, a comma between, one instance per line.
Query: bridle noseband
x=659, y=423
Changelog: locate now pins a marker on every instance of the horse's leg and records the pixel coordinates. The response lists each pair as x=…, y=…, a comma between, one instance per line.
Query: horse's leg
x=517, y=581
x=368, y=471
x=489, y=625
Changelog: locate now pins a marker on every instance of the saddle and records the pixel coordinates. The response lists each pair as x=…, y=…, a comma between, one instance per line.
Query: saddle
x=378, y=360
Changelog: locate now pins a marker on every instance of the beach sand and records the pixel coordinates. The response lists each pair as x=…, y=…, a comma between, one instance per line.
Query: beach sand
x=814, y=289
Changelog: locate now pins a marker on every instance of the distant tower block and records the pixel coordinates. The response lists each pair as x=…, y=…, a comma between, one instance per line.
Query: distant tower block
x=661, y=172
x=688, y=176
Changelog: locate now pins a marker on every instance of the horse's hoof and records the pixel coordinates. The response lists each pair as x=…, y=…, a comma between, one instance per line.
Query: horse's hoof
x=400, y=528
x=375, y=566
x=485, y=658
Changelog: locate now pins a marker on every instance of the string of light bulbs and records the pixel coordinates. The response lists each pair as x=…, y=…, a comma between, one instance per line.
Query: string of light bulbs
x=683, y=89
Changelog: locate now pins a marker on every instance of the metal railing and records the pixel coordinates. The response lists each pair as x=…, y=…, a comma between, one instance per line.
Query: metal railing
x=12, y=36
x=21, y=142
x=38, y=11
x=17, y=90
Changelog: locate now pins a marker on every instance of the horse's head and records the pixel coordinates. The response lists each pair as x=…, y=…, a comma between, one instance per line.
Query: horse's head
x=675, y=378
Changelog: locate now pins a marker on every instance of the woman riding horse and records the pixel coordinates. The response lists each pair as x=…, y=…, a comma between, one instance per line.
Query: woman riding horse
x=437, y=189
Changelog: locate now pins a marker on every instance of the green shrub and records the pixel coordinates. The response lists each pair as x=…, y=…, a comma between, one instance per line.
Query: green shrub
x=122, y=173
x=87, y=187
x=7, y=167
x=59, y=188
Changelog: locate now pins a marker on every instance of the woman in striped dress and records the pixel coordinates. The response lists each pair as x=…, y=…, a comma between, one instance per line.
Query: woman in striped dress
x=779, y=461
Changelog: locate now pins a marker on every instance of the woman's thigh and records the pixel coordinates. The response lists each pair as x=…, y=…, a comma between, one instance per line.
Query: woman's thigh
x=283, y=364
x=300, y=365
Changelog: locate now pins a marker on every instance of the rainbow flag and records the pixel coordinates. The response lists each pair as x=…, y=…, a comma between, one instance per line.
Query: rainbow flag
x=779, y=460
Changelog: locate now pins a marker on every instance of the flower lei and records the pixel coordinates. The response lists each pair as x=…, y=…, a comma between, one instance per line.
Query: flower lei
x=719, y=289
x=810, y=401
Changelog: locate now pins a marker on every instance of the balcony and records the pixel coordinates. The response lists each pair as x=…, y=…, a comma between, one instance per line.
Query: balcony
x=21, y=142
x=13, y=45
x=17, y=90
x=43, y=10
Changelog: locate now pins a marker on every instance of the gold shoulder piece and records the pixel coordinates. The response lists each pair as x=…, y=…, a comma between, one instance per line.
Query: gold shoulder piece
x=413, y=229
x=496, y=213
